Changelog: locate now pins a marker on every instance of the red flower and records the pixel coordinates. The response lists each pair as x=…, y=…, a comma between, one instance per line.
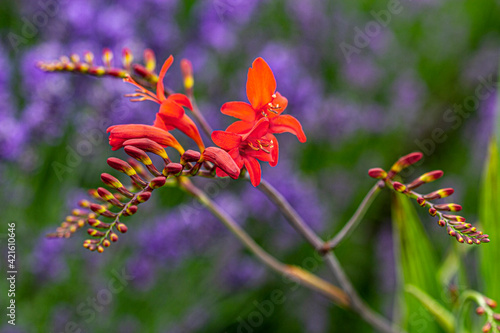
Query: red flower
x=118, y=134
x=265, y=102
x=246, y=149
x=171, y=114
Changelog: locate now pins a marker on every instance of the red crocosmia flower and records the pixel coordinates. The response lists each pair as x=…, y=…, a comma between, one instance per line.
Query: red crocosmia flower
x=118, y=134
x=171, y=114
x=246, y=149
x=265, y=102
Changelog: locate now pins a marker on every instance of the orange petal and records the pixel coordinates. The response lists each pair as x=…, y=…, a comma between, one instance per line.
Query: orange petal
x=280, y=101
x=161, y=124
x=259, y=129
x=160, y=88
x=226, y=140
x=186, y=126
x=254, y=171
x=240, y=127
x=240, y=110
x=182, y=100
x=171, y=109
x=287, y=123
x=275, y=151
x=261, y=84
x=120, y=133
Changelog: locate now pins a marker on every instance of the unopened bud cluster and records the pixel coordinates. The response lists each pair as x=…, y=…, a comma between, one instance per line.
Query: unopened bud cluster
x=455, y=225
x=493, y=319
x=87, y=65
x=145, y=178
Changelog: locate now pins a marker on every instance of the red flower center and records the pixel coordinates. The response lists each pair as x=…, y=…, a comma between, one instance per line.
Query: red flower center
x=258, y=144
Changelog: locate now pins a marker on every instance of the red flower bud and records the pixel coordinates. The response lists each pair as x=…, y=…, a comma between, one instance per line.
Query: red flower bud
x=222, y=160
x=377, y=173
x=399, y=187
x=449, y=207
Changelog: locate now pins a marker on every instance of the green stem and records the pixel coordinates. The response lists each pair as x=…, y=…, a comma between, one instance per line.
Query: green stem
x=293, y=272
x=355, y=219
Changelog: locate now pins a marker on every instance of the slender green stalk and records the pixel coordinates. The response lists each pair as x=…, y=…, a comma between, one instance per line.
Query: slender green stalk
x=355, y=219
x=295, y=273
x=357, y=304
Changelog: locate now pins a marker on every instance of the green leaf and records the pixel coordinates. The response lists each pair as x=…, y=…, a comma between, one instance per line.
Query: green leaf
x=489, y=215
x=417, y=265
x=443, y=316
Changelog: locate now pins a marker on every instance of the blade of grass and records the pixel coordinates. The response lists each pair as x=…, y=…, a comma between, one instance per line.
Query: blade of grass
x=416, y=264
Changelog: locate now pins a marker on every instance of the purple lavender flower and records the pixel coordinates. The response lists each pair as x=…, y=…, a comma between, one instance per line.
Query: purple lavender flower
x=48, y=259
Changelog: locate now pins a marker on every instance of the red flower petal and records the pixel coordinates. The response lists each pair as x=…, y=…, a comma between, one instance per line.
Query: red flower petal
x=160, y=88
x=240, y=127
x=254, y=171
x=182, y=100
x=226, y=140
x=280, y=101
x=259, y=154
x=261, y=84
x=186, y=126
x=259, y=129
x=121, y=133
x=171, y=109
x=287, y=123
x=240, y=110
x=275, y=151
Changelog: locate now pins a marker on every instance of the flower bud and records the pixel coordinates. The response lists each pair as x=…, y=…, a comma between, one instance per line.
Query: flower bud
x=421, y=201
x=157, y=182
x=443, y=193
x=143, y=197
x=496, y=316
x=127, y=58
x=113, y=237
x=147, y=145
x=173, y=169
x=454, y=217
x=487, y=327
x=459, y=237
x=448, y=207
x=98, y=224
x=480, y=311
x=130, y=210
x=431, y=176
x=441, y=223
x=399, y=187
x=190, y=156
x=222, y=160
x=95, y=233
x=107, y=57
x=187, y=74
x=121, y=166
x=138, y=154
x=121, y=227
x=377, y=173
x=149, y=60
x=88, y=57
x=451, y=231
x=432, y=211
x=404, y=162
x=100, y=249
x=491, y=303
